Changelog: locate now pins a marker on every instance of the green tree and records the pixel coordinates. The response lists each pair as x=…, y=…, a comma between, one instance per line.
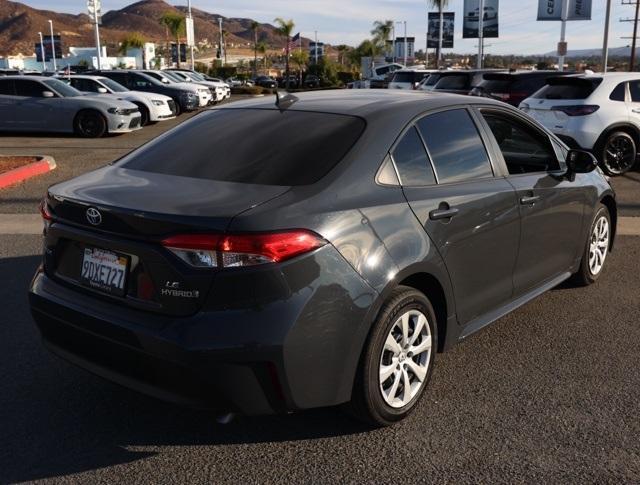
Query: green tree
x=262, y=49
x=381, y=32
x=254, y=28
x=134, y=40
x=285, y=28
x=300, y=59
x=440, y=5
x=176, y=24
x=342, y=50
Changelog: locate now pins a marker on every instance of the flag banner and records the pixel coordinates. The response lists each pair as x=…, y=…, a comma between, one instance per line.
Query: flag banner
x=296, y=37
x=190, y=32
x=472, y=19
x=433, y=32
x=174, y=52
x=48, y=48
x=552, y=10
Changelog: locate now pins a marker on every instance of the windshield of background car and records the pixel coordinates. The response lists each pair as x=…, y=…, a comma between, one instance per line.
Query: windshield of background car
x=174, y=76
x=456, y=81
x=407, y=77
x=114, y=86
x=284, y=148
x=432, y=80
x=61, y=88
x=568, y=88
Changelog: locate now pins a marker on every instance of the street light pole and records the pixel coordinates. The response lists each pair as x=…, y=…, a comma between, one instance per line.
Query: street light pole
x=405, y=43
x=316, y=49
x=480, y=34
x=393, y=53
x=44, y=63
x=95, y=20
x=193, y=40
x=563, y=31
x=53, y=47
x=221, y=51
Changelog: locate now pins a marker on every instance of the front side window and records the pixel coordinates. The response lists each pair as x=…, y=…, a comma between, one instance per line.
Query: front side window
x=61, y=88
x=412, y=162
x=525, y=149
x=32, y=89
x=455, y=146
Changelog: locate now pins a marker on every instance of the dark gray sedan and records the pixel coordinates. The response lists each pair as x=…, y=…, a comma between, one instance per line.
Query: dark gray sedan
x=324, y=259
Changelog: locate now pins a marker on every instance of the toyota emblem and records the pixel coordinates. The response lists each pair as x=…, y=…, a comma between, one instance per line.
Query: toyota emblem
x=93, y=216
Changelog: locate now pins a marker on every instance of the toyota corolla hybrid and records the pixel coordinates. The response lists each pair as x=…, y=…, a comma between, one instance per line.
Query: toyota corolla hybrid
x=324, y=260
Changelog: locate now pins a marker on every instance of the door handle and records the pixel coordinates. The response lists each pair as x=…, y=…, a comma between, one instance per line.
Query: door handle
x=529, y=200
x=440, y=214
x=636, y=110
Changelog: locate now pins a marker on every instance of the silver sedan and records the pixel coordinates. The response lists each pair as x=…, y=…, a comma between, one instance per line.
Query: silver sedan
x=35, y=103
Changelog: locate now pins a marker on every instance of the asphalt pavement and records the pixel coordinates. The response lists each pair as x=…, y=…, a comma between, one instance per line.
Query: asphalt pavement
x=547, y=394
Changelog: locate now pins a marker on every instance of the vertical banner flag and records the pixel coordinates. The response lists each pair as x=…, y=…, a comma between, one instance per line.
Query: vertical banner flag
x=433, y=32
x=552, y=10
x=174, y=52
x=472, y=19
x=191, y=40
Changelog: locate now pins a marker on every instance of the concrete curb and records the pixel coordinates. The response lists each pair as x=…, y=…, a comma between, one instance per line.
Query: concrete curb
x=20, y=174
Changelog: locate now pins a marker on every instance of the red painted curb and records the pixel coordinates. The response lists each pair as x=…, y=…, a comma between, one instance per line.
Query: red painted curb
x=25, y=172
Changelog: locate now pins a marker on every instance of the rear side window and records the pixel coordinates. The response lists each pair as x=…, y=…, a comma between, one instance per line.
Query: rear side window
x=412, y=162
x=569, y=88
x=270, y=148
x=496, y=85
x=29, y=88
x=408, y=77
x=455, y=147
x=433, y=80
x=618, y=94
x=6, y=87
x=453, y=82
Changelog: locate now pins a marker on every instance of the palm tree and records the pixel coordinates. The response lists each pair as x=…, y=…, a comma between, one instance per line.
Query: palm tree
x=381, y=32
x=261, y=47
x=176, y=25
x=134, y=40
x=301, y=59
x=285, y=28
x=440, y=5
x=254, y=28
x=342, y=49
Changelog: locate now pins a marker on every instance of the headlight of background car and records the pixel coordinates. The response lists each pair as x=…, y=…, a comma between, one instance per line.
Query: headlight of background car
x=157, y=102
x=119, y=111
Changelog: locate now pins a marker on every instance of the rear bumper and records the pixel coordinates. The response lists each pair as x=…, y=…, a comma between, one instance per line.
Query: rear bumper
x=286, y=354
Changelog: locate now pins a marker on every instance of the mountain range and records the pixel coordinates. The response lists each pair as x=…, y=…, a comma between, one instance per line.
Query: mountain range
x=20, y=24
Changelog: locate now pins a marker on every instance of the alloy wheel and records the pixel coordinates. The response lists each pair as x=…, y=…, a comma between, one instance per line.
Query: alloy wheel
x=405, y=359
x=619, y=154
x=598, y=245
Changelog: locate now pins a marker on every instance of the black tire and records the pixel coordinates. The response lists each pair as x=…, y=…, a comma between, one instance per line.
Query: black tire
x=367, y=402
x=144, y=114
x=90, y=124
x=617, y=153
x=178, y=107
x=585, y=275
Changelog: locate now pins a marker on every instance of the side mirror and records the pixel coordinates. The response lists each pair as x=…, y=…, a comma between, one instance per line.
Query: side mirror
x=579, y=161
x=48, y=94
x=102, y=90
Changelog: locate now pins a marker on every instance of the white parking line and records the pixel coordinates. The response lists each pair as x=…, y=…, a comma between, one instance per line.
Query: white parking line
x=21, y=224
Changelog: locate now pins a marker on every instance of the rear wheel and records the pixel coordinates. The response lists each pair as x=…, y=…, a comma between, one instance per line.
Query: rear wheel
x=90, y=124
x=398, y=359
x=619, y=153
x=596, y=249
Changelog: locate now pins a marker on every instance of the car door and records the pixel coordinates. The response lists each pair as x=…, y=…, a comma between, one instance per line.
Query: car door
x=633, y=104
x=8, y=104
x=470, y=215
x=552, y=205
x=34, y=111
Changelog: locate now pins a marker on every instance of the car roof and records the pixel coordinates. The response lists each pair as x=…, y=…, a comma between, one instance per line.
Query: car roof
x=365, y=103
x=25, y=77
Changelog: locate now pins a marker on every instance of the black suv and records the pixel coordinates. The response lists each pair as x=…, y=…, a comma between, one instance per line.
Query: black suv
x=458, y=82
x=266, y=82
x=138, y=81
x=513, y=87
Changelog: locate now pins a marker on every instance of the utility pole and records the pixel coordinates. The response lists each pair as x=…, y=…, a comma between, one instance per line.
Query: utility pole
x=605, y=43
x=44, y=63
x=53, y=47
x=634, y=38
x=316, y=49
x=480, y=34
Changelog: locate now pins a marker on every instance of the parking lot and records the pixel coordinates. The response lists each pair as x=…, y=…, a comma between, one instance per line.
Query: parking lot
x=548, y=393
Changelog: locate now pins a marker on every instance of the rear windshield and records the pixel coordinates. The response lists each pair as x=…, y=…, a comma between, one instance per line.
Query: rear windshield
x=568, y=88
x=433, y=79
x=408, y=77
x=253, y=146
x=496, y=85
x=458, y=81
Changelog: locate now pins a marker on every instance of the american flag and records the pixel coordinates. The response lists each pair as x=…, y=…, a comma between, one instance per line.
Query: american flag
x=292, y=41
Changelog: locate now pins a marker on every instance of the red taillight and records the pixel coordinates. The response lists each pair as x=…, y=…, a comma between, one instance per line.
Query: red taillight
x=45, y=212
x=577, y=110
x=236, y=250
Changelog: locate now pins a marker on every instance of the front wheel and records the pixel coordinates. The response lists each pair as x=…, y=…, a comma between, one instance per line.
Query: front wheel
x=90, y=124
x=596, y=250
x=398, y=360
x=619, y=153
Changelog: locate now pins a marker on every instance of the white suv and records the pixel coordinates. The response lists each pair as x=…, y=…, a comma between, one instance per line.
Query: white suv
x=596, y=112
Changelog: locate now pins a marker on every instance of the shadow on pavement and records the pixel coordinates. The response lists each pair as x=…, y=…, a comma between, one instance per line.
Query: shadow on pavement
x=59, y=420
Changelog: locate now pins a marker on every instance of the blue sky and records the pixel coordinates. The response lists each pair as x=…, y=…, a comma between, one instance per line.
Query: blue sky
x=349, y=21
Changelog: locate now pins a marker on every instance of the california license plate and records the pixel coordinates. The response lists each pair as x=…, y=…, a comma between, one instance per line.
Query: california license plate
x=104, y=270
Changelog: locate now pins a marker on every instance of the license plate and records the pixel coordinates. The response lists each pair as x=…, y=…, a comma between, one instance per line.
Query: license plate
x=104, y=270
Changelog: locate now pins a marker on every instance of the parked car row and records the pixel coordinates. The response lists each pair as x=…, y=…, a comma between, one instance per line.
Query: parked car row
x=103, y=102
x=590, y=111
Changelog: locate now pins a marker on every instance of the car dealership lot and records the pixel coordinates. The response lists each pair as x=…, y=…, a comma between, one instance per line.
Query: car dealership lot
x=548, y=393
